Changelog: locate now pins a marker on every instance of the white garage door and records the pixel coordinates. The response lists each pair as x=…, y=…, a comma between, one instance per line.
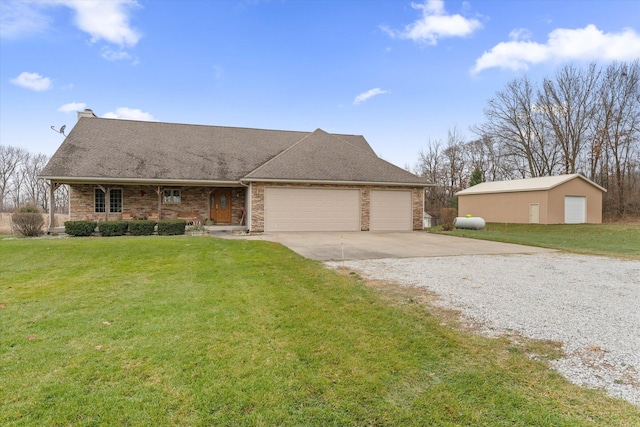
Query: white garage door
x=311, y=209
x=391, y=211
x=575, y=209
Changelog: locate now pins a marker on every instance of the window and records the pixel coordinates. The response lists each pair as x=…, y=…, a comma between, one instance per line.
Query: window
x=171, y=197
x=100, y=203
x=115, y=200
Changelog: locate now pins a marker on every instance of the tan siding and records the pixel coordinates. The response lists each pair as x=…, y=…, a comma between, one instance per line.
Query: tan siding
x=503, y=207
x=575, y=187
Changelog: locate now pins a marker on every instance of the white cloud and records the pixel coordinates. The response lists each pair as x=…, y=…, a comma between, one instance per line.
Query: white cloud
x=435, y=24
x=72, y=107
x=520, y=34
x=19, y=18
x=114, y=55
x=105, y=20
x=368, y=94
x=582, y=44
x=33, y=81
x=130, y=114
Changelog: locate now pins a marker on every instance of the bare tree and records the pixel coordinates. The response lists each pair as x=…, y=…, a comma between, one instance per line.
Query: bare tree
x=568, y=103
x=10, y=160
x=35, y=190
x=516, y=122
x=486, y=155
x=618, y=119
x=455, y=169
x=429, y=165
x=61, y=203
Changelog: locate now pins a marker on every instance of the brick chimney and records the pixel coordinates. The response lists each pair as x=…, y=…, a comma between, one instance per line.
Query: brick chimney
x=86, y=113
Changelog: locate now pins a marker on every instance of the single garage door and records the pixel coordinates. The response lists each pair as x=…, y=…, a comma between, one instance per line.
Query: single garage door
x=311, y=209
x=575, y=209
x=390, y=211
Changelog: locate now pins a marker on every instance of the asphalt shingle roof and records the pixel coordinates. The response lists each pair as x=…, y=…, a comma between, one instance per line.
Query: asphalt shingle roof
x=321, y=156
x=105, y=149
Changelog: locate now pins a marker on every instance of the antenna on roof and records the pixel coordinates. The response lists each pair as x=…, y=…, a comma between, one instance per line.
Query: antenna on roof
x=61, y=129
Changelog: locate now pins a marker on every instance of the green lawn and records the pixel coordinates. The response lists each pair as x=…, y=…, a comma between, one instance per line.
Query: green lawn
x=619, y=240
x=197, y=331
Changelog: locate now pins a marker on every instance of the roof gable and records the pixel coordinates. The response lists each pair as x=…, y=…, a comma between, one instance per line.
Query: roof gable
x=321, y=156
x=528, y=184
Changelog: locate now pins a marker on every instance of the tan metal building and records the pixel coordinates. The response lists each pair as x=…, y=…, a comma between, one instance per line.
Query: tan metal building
x=562, y=199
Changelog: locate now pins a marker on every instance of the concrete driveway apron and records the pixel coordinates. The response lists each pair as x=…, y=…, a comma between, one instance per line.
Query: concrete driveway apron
x=330, y=246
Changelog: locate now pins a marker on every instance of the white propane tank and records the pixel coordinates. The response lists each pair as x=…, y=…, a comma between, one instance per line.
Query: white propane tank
x=469, y=222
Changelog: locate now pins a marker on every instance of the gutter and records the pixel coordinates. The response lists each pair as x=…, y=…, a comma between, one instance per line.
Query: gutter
x=244, y=182
x=141, y=181
x=328, y=182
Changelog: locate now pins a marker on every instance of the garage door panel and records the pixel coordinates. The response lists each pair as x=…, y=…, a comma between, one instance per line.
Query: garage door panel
x=575, y=209
x=311, y=209
x=390, y=211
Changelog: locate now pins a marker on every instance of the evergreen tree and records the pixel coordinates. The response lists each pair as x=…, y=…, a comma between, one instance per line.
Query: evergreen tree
x=476, y=177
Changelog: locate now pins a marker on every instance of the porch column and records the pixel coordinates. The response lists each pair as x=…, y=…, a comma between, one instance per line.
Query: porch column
x=106, y=189
x=53, y=186
x=209, y=191
x=159, y=192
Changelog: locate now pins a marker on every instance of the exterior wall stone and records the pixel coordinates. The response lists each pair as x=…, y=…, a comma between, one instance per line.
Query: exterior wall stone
x=257, y=202
x=238, y=205
x=365, y=208
x=257, y=207
x=417, y=201
x=141, y=200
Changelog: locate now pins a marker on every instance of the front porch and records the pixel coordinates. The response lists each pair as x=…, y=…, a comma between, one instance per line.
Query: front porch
x=198, y=205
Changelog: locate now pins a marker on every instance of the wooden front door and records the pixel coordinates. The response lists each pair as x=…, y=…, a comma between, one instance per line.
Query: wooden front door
x=221, y=205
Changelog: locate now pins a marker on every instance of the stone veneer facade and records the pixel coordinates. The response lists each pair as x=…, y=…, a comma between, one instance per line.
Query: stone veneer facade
x=141, y=200
x=417, y=200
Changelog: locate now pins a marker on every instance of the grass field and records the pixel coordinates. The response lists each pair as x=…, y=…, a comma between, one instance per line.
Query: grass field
x=619, y=240
x=201, y=331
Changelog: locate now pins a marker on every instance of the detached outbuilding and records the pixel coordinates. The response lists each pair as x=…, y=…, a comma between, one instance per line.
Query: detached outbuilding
x=562, y=199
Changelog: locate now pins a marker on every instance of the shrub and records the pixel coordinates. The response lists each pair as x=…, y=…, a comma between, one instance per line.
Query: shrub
x=171, y=227
x=29, y=208
x=28, y=224
x=141, y=228
x=447, y=217
x=79, y=228
x=112, y=228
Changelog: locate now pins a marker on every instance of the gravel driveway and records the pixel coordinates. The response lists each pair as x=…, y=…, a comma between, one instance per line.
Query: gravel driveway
x=591, y=304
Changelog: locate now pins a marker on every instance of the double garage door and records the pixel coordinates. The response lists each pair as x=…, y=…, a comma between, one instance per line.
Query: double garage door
x=332, y=209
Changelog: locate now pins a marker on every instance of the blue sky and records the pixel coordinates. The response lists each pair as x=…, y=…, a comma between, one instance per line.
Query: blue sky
x=400, y=73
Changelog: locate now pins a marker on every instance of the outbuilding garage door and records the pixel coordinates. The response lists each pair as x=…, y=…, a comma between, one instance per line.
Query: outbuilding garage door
x=311, y=209
x=575, y=208
x=390, y=211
